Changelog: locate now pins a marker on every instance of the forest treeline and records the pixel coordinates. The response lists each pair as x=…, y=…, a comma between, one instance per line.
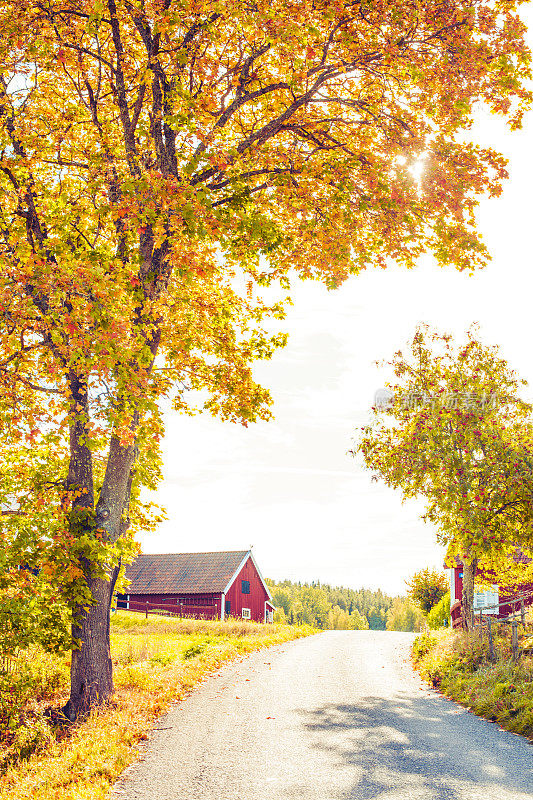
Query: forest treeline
x=341, y=608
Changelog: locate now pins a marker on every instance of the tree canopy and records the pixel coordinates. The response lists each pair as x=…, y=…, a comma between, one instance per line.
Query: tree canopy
x=404, y=615
x=325, y=606
x=161, y=161
x=457, y=434
x=426, y=588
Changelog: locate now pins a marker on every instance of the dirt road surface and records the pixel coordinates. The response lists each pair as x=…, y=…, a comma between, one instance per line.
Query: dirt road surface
x=334, y=716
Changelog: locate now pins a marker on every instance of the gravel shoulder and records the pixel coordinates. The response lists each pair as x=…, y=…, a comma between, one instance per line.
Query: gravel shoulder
x=337, y=715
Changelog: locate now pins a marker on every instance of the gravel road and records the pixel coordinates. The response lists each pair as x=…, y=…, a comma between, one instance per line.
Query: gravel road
x=337, y=715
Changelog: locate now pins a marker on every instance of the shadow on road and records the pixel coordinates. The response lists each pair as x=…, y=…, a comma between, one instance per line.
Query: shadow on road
x=405, y=747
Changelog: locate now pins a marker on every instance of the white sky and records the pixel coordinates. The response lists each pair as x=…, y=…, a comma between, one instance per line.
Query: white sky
x=288, y=487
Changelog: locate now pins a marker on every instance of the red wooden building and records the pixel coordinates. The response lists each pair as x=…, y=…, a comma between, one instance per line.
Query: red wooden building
x=486, y=599
x=201, y=585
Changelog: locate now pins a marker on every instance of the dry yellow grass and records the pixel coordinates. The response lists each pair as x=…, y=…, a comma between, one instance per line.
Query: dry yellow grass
x=157, y=662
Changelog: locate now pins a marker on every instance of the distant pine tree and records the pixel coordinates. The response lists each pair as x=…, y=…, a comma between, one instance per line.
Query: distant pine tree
x=326, y=606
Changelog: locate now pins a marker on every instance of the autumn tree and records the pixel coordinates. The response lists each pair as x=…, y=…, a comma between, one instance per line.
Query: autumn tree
x=340, y=620
x=404, y=615
x=426, y=587
x=325, y=606
x=456, y=433
x=159, y=163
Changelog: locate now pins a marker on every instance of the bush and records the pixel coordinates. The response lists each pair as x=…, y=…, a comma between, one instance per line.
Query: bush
x=458, y=664
x=422, y=646
x=32, y=675
x=439, y=616
x=26, y=681
x=34, y=734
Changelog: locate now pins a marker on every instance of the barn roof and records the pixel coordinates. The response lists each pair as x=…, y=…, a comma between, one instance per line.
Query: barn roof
x=190, y=573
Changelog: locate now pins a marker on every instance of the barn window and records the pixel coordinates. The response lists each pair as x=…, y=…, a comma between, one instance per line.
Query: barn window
x=227, y=608
x=245, y=588
x=246, y=613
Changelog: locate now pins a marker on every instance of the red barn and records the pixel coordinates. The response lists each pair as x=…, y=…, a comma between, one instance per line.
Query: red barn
x=484, y=599
x=201, y=585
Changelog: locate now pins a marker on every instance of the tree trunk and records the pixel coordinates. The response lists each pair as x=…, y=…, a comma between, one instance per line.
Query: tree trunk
x=467, y=600
x=91, y=672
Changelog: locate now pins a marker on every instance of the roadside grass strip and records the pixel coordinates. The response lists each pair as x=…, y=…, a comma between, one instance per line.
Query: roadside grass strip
x=156, y=663
x=458, y=666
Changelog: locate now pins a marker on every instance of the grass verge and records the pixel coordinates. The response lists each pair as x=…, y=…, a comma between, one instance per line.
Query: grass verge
x=156, y=662
x=458, y=665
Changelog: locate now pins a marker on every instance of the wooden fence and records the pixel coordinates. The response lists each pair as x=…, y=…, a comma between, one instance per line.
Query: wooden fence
x=489, y=622
x=182, y=610
x=9, y=662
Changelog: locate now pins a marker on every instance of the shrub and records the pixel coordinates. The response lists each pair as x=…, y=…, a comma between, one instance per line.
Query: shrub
x=439, y=616
x=458, y=664
x=31, y=676
x=31, y=736
x=28, y=679
x=422, y=645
